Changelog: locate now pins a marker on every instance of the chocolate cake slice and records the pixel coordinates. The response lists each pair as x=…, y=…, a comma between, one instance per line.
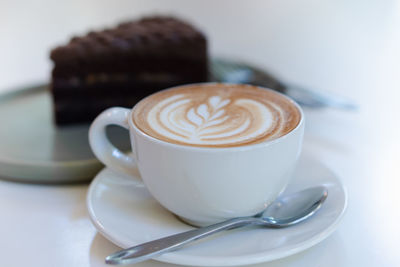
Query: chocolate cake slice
x=120, y=66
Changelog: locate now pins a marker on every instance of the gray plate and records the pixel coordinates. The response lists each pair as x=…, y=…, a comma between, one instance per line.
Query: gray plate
x=32, y=149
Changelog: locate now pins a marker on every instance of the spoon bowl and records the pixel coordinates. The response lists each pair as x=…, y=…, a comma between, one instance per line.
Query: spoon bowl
x=283, y=212
x=294, y=208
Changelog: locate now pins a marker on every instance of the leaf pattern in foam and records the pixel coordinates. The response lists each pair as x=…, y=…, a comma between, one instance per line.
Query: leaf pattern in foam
x=216, y=103
x=194, y=118
x=202, y=111
x=207, y=115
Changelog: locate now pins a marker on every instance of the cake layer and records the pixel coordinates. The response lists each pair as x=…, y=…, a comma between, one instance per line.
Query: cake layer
x=135, y=67
x=120, y=66
x=150, y=37
x=89, y=99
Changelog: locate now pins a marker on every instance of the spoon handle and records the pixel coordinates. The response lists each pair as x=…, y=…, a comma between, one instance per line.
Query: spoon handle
x=157, y=247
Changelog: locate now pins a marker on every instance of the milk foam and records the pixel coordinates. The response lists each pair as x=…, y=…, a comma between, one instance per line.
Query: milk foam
x=213, y=118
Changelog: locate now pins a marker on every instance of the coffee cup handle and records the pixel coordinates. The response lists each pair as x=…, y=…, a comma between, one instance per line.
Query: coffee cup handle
x=101, y=146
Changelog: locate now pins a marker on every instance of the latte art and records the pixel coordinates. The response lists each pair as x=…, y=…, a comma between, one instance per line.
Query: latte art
x=215, y=115
x=217, y=121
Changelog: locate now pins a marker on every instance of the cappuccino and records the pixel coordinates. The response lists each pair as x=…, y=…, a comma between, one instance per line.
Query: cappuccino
x=193, y=147
x=216, y=115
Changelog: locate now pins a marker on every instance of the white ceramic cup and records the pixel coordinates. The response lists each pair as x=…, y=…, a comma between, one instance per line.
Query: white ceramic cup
x=201, y=185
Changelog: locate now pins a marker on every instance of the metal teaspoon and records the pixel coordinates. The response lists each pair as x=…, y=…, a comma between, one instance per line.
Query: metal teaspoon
x=285, y=211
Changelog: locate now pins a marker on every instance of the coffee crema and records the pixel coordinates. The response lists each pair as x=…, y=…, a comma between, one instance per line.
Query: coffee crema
x=216, y=115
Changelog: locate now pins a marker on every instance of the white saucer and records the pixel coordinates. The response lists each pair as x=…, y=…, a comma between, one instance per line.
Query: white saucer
x=126, y=214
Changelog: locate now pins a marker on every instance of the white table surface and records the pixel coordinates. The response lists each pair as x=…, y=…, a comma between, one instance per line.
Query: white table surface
x=350, y=48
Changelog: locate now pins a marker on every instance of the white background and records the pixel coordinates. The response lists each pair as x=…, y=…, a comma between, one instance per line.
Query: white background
x=351, y=48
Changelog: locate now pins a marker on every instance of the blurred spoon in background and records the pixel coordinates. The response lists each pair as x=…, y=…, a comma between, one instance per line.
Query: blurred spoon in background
x=222, y=70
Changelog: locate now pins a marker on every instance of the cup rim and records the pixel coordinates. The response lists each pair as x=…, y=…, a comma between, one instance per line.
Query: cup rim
x=216, y=149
